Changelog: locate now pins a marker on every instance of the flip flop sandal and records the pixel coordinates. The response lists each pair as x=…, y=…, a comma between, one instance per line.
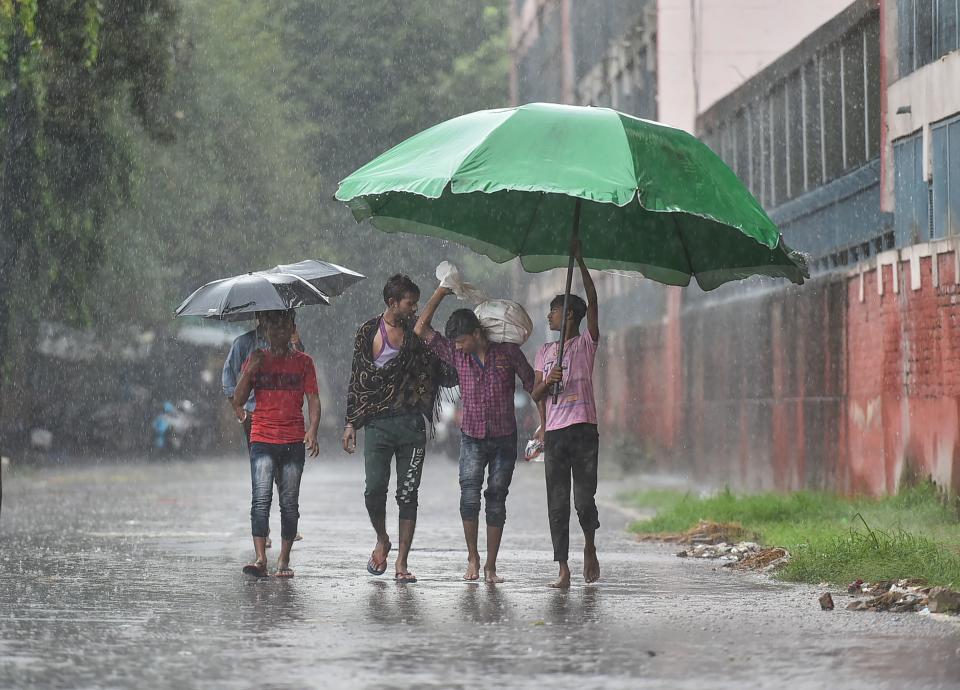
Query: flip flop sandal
x=373, y=569
x=283, y=573
x=372, y=565
x=255, y=570
x=405, y=578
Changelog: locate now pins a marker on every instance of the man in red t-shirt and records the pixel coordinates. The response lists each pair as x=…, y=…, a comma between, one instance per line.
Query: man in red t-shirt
x=280, y=378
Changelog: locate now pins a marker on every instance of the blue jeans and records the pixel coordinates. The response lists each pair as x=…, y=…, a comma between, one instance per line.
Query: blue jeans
x=282, y=463
x=476, y=455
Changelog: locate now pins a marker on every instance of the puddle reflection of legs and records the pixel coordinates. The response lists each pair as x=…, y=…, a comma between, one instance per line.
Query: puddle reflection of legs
x=483, y=604
x=581, y=605
x=269, y=604
x=391, y=603
x=590, y=604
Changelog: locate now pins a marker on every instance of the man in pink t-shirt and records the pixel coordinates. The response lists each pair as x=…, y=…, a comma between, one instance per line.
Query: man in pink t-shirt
x=569, y=426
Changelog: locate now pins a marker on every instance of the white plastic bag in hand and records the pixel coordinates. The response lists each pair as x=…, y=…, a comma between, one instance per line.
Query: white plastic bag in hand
x=449, y=276
x=503, y=320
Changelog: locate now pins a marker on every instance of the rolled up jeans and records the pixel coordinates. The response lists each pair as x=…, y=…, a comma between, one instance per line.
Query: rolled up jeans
x=499, y=454
x=403, y=437
x=283, y=464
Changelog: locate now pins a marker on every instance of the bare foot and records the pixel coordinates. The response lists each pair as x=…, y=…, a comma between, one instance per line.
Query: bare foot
x=283, y=569
x=473, y=570
x=402, y=571
x=562, y=582
x=490, y=576
x=591, y=565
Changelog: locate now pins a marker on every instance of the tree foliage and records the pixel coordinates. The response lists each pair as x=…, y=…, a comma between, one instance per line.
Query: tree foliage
x=149, y=146
x=69, y=69
x=233, y=192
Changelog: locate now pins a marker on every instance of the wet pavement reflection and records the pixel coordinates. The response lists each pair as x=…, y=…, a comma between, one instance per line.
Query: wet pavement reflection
x=128, y=575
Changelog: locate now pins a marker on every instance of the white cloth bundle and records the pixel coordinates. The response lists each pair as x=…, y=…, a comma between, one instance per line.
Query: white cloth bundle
x=504, y=321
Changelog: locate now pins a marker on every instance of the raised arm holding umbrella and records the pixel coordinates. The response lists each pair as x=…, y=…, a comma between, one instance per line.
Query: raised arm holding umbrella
x=530, y=181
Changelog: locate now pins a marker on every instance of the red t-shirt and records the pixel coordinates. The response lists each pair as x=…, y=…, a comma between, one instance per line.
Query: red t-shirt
x=280, y=385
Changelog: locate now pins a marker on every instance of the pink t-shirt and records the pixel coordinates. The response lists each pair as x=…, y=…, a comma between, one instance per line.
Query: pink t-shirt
x=576, y=404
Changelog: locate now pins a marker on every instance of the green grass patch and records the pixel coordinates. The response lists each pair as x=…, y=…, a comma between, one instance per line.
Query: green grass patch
x=832, y=539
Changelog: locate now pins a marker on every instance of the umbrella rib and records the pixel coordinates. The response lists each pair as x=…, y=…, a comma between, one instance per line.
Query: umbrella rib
x=308, y=284
x=686, y=251
x=533, y=217
x=223, y=301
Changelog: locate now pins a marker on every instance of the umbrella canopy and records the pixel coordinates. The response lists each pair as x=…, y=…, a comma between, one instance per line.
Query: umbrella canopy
x=240, y=297
x=511, y=182
x=328, y=278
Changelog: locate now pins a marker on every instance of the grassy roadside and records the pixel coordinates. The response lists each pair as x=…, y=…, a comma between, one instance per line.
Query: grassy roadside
x=915, y=534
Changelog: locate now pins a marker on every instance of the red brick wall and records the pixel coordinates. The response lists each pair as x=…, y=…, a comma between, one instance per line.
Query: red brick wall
x=810, y=387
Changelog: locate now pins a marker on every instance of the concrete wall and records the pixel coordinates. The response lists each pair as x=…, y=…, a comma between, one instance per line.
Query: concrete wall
x=848, y=383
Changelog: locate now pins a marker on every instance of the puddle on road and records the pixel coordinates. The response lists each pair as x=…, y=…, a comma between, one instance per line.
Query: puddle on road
x=164, y=606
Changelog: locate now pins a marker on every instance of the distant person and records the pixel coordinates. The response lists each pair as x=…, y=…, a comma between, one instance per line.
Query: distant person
x=240, y=350
x=281, y=377
x=394, y=384
x=488, y=442
x=571, y=442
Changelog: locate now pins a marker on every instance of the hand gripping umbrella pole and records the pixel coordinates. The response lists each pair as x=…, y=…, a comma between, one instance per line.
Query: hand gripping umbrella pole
x=574, y=235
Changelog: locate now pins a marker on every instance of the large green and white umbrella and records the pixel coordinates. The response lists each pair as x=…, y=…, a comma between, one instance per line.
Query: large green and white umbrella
x=525, y=181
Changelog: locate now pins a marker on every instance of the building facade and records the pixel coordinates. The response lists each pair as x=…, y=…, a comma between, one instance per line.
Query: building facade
x=851, y=141
x=587, y=52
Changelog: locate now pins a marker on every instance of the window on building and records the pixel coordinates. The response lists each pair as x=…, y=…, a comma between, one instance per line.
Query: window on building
x=871, y=75
x=813, y=116
x=946, y=27
x=940, y=182
x=905, y=42
x=927, y=30
x=814, y=125
x=761, y=177
x=923, y=21
x=911, y=220
x=742, y=143
x=779, y=153
x=729, y=145
x=854, y=125
x=946, y=178
x=753, y=149
x=756, y=150
x=794, y=107
x=833, y=112
x=953, y=169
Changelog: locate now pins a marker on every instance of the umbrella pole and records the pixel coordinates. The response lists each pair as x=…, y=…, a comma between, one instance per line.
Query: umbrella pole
x=566, y=295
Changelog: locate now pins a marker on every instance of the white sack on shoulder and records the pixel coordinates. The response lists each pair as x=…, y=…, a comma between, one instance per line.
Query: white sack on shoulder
x=504, y=321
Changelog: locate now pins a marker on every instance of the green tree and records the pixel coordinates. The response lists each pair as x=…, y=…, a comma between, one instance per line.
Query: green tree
x=234, y=192
x=369, y=74
x=68, y=69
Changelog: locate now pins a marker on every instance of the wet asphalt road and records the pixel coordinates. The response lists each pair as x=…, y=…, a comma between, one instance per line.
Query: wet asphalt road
x=128, y=576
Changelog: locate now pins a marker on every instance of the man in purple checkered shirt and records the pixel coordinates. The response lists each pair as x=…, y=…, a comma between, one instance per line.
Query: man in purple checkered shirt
x=489, y=424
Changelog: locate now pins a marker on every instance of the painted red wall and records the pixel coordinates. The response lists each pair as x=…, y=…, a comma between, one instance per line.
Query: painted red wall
x=834, y=385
